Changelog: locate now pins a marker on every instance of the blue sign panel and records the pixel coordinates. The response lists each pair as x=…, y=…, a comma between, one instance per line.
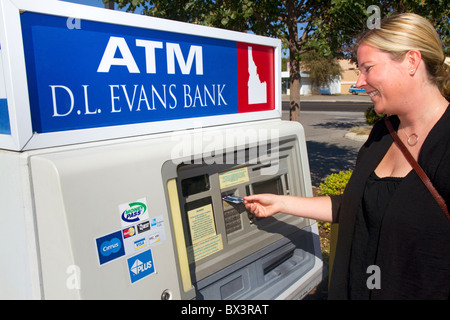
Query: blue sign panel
x=5, y=127
x=110, y=247
x=141, y=266
x=87, y=74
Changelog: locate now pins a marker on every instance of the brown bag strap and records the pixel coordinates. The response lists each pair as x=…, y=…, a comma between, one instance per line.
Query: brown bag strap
x=422, y=175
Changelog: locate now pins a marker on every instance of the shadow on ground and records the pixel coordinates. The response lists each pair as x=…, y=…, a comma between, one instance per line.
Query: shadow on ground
x=343, y=124
x=328, y=158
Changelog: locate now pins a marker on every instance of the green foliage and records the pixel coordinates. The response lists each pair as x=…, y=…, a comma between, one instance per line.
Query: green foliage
x=322, y=70
x=372, y=116
x=334, y=184
x=328, y=26
x=347, y=19
x=326, y=226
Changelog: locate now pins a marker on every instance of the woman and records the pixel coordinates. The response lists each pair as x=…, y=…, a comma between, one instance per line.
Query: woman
x=387, y=217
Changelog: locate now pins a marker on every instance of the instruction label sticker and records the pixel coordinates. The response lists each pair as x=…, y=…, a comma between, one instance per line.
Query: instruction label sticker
x=205, y=241
x=233, y=178
x=133, y=212
x=205, y=248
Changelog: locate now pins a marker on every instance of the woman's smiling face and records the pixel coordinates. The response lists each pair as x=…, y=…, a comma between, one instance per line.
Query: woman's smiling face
x=384, y=79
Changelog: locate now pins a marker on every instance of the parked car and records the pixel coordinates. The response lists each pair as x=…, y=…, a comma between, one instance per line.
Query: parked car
x=354, y=90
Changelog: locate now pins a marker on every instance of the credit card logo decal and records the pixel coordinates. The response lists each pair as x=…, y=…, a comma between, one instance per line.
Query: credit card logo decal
x=110, y=247
x=133, y=212
x=141, y=266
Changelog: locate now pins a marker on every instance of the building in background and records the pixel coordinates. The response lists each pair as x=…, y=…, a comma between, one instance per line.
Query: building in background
x=340, y=85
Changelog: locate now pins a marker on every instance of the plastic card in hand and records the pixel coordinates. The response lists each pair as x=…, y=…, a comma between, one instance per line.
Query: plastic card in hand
x=233, y=199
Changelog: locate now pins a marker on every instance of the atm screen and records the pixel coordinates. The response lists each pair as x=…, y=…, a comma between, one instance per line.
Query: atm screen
x=271, y=186
x=195, y=185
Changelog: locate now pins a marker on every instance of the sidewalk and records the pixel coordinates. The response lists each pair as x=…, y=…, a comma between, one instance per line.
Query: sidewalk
x=332, y=98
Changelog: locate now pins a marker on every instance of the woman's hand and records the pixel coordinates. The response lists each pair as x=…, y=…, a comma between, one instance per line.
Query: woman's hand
x=263, y=205
x=266, y=205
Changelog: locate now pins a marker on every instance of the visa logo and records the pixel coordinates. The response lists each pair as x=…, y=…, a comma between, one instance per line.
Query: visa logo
x=118, y=53
x=139, y=244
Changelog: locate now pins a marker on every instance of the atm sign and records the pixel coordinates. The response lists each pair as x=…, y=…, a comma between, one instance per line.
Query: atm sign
x=102, y=75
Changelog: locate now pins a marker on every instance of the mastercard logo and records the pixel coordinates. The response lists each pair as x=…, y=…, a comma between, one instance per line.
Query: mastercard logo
x=129, y=232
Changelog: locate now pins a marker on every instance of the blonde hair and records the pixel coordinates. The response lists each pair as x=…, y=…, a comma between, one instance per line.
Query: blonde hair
x=408, y=31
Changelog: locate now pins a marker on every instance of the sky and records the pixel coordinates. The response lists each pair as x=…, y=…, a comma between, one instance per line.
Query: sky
x=97, y=3
x=94, y=3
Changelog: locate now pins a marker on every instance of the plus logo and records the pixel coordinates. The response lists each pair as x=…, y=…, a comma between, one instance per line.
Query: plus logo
x=141, y=266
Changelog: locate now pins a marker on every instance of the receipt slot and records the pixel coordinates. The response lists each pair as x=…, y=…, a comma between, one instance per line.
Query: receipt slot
x=120, y=137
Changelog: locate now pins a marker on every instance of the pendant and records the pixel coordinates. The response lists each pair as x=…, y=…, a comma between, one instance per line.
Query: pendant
x=413, y=143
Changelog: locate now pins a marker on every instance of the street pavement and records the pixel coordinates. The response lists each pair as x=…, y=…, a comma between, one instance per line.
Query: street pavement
x=333, y=98
x=330, y=148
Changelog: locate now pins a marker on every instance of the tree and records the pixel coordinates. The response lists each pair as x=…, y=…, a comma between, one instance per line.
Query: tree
x=321, y=69
x=276, y=18
x=327, y=26
x=348, y=19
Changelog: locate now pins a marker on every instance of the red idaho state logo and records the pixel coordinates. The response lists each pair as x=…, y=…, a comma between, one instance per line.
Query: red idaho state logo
x=256, y=77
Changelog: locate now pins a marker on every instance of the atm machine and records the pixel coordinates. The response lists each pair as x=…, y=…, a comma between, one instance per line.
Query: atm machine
x=120, y=138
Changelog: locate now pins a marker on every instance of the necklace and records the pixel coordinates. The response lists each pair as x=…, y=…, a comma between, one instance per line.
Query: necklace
x=414, y=138
x=411, y=142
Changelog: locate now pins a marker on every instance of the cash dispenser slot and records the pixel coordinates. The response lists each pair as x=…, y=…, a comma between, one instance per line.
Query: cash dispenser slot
x=275, y=263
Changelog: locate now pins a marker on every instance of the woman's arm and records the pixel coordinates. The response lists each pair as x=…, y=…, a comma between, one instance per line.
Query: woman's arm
x=265, y=205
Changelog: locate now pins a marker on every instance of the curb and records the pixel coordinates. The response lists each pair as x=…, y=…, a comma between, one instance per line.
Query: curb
x=356, y=137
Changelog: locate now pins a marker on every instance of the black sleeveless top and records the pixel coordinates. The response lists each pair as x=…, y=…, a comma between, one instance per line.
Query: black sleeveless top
x=377, y=194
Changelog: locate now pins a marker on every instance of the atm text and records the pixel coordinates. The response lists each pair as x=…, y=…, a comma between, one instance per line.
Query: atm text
x=138, y=97
x=149, y=96
x=173, y=52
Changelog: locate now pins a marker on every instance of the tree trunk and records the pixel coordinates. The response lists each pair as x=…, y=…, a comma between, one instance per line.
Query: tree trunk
x=109, y=5
x=294, y=79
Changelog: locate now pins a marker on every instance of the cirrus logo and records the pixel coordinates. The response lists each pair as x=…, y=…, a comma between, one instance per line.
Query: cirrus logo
x=111, y=246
